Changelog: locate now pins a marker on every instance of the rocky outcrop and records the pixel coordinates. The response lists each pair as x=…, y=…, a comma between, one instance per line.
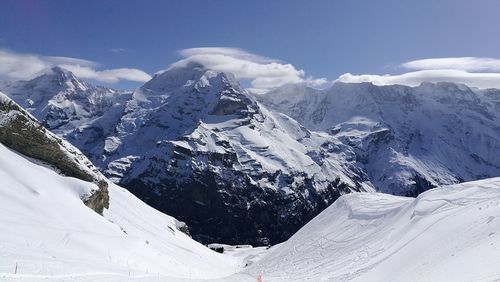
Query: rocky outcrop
x=182, y=227
x=24, y=134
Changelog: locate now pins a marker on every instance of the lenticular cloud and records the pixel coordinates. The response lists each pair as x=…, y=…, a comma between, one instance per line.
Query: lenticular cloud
x=264, y=73
x=475, y=72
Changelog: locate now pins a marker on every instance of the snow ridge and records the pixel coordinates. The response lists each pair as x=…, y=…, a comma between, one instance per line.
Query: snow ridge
x=445, y=234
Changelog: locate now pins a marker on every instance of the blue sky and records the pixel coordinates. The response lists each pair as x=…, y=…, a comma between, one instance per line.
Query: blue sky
x=325, y=39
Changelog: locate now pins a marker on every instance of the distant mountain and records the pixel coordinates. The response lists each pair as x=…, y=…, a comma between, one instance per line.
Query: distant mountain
x=71, y=108
x=406, y=139
x=191, y=142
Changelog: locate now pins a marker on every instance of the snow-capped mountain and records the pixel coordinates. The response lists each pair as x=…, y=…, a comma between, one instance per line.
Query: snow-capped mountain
x=406, y=139
x=450, y=233
x=71, y=108
x=191, y=142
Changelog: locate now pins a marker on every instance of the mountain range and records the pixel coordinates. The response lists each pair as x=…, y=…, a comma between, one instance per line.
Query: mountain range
x=246, y=168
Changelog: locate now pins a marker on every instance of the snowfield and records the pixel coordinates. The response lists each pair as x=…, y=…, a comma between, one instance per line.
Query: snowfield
x=48, y=234
x=450, y=233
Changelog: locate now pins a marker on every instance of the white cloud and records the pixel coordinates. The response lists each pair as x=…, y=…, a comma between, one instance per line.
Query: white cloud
x=472, y=71
x=459, y=63
x=229, y=51
x=108, y=76
x=26, y=66
x=263, y=72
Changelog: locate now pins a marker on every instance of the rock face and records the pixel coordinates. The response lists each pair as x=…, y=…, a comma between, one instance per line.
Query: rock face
x=24, y=134
x=192, y=143
x=407, y=139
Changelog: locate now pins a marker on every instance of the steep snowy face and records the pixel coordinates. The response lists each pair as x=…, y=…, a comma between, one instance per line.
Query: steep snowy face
x=193, y=144
x=49, y=235
x=445, y=234
x=406, y=139
x=69, y=107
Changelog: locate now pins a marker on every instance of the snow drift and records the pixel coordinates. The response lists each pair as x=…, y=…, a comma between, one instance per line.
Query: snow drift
x=451, y=233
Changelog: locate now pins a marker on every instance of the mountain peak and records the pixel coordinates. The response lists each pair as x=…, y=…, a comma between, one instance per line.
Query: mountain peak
x=61, y=71
x=188, y=74
x=60, y=74
x=57, y=78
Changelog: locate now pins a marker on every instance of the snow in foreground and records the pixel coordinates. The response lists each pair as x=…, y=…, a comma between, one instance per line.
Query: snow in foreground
x=48, y=234
x=446, y=234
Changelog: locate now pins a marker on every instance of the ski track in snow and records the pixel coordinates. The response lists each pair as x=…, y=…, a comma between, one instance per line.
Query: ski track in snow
x=446, y=234
x=48, y=233
x=450, y=233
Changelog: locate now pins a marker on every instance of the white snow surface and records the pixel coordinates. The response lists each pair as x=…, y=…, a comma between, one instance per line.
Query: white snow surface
x=48, y=234
x=451, y=233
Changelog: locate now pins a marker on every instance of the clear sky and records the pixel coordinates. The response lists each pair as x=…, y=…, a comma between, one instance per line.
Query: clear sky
x=325, y=39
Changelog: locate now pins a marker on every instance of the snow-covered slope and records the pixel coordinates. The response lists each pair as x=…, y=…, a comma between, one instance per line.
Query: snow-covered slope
x=49, y=231
x=451, y=233
x=406, y=139
x=49, y=234
x=22, y=132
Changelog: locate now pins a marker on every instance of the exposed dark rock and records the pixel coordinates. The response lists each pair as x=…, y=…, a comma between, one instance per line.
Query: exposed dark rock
x=182, y=226
x=232, y=209
x=24, y=134
x=421, y=185
x=99, y=200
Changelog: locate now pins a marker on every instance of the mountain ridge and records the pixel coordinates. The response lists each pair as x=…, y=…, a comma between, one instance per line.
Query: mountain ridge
x=404, y=127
